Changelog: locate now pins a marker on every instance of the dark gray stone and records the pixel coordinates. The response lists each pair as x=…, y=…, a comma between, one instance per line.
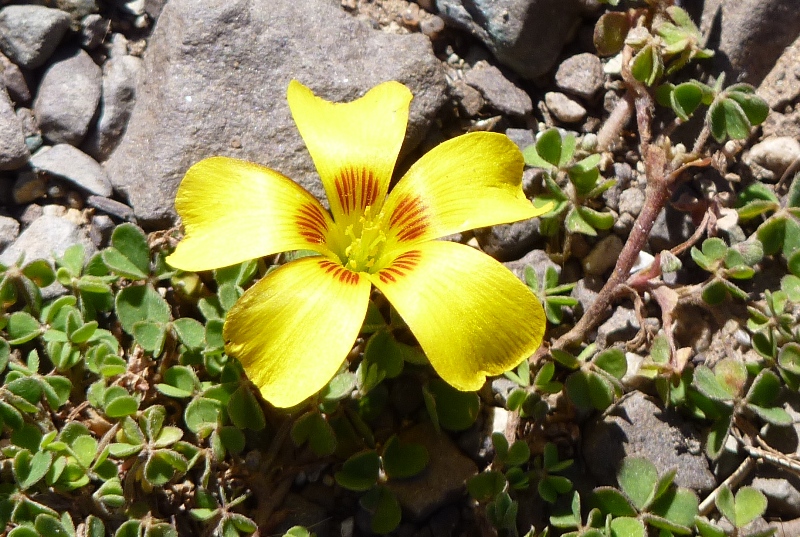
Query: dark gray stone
x=782, y=492
x=13, y=151
x=68, y=96
x=469, y=98
x=499, y=91
x=112, y=207
x=671, y=228
x=603, y=256
x=623, y=325
x=443, y=479
x=748, y=36
x=781, y=86
x=48, y=236
x=631, y=201
x=640, y=427
x=581, y=75
x=73, y=165
x=214, y=83
x=14, y=81
x=120, y=76
x=525, y=35
x=522, y=137
x=507, y=242
x=538, y=260
x=28, y=187
x=93, y=30
x=9, y=230
x=30, y=34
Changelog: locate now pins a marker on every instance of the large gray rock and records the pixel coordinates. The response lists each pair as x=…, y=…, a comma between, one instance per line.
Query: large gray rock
x=48, y=236
x=73, y=165
x=68, y=96
x=639, y=427
x=30, y=34
x=214, y=83
x=13, y=151
x=120, y=76
x=749, y=35
x=526, y=35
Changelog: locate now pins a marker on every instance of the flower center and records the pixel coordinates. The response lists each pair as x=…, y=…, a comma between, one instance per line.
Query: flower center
x=365, y=240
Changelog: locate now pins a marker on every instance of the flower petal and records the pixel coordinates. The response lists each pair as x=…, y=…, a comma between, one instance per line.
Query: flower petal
x=293, y=329
x=471, y=315
x=471, y=181
x=354, y=145
x=234, y=210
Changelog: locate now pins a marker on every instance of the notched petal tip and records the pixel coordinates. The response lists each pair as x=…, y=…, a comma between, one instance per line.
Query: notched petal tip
x=471, y=315
x=293, y=329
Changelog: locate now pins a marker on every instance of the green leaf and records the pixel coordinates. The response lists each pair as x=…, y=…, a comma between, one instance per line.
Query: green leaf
x=637, y=478
x=360, y=472
x=162, y=465
x=41, y=272
x=715, y=442
x=314, y=429
x=727, y=117
x=764, y=389
x=596, y=219
x=140, y=303
x=678, y=506
x=121, y=406
x=403, y=460
x=51, y=526
x=610, y=32
x=384, y=507
x=245, y=411
x=714, y=292
x=548, y=147
x=150, y=336
x=612, y=501
x=789, y=357
x=22, y=327
x=179, y=381
x=576, y=224
x=647, y=65
x=386, y=352
x=485, y=486
x=131, y=243
x=190, y=332
x=455, y=410
x=202, y=414
x=627, y=527
x=612, y=361
x=754, y=107
x=30, y=469
x=685, y=98
x=27, y=388
x=750, y=504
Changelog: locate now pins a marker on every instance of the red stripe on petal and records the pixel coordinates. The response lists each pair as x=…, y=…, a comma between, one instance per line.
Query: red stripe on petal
x=311, y=223
x=402, y=265
x=409, y=218
x=345, y=276
x=356, y=189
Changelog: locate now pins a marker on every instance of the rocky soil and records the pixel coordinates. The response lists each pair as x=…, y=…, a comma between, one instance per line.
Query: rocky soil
x=106, y=103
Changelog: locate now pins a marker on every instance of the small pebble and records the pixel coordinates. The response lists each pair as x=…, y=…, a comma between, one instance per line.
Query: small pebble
x=580, y=75
x=431, y=26
x=775, y=154
x=111, y=207
x=28, y=187
x=564, y=108
x=603, y=256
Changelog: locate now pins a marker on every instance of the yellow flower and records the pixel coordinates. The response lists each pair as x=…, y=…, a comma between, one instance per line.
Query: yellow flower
x=292, y=330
